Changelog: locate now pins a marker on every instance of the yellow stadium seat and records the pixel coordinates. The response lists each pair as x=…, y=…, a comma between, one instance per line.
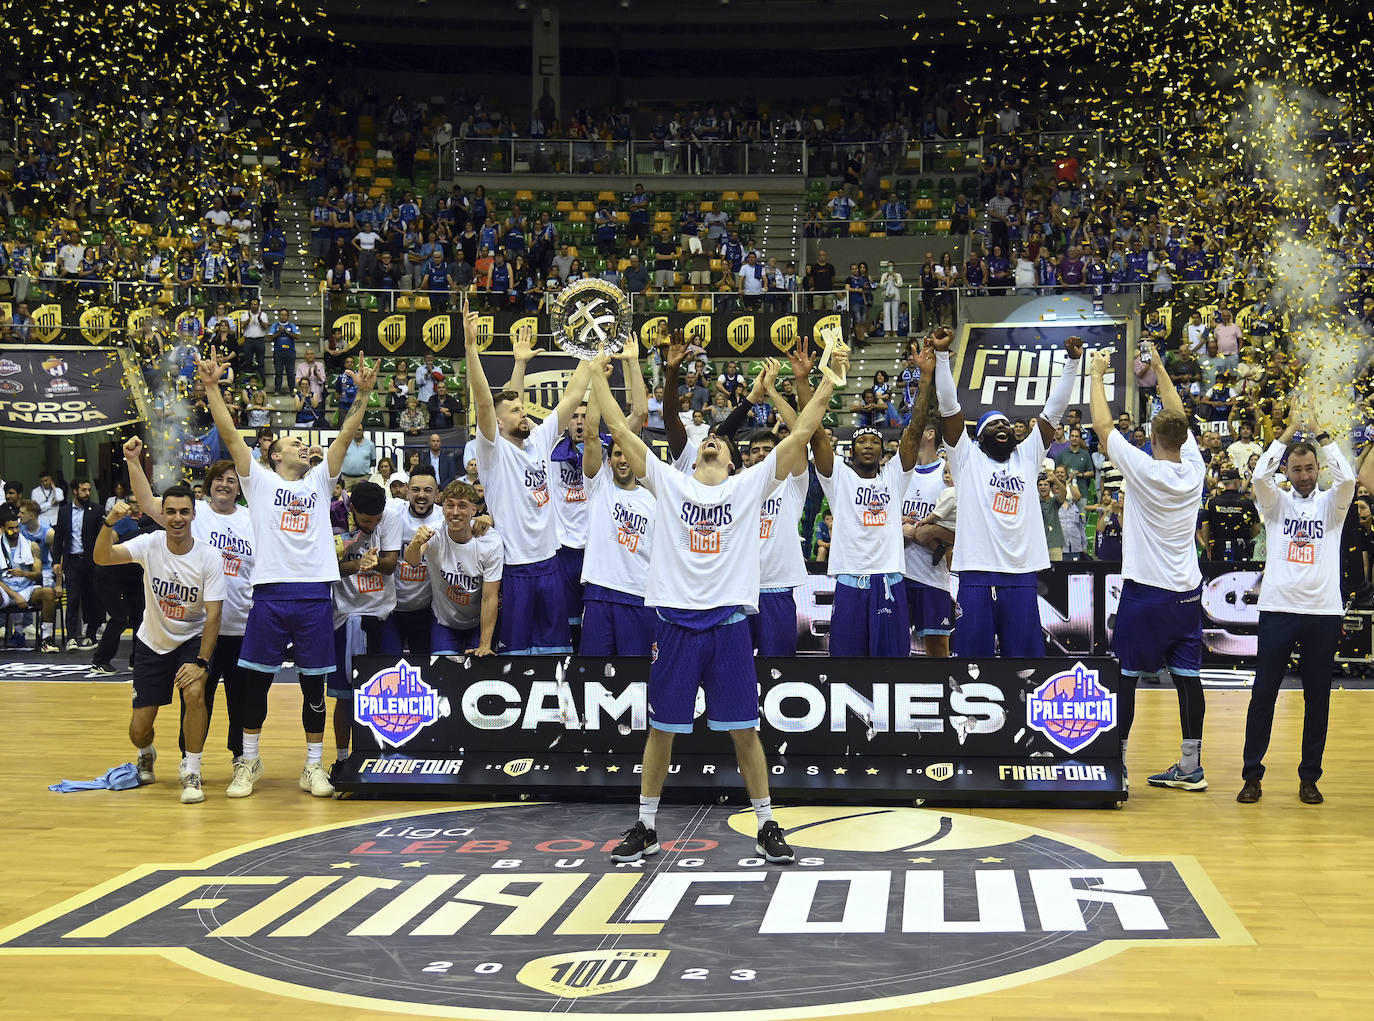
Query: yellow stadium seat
x=565, y=206
x=382, y=182
x=622, y=265
x=942, y=226
x=605, y=196
x=586, y=206
x=749, y=196
x=572, y=250
x=421, y=303
x=524, y=195
x=376, y=191
x=663, y=216
x=885, y=185
x=687, y=289
x=367, y=163
x=423, y=156
x=717, y=265
x=858, y=229
x=878, y=234
x=729, y=196
x=686, y=305
x=748, y=217
x=707, y=207
x=143, y=230
x=403, y=303
x=621, y=216
x=577, y=216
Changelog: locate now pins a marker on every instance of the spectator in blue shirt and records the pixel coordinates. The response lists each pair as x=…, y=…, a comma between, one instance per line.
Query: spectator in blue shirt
x=894, y=215
x=347, y=389
x=284, y=335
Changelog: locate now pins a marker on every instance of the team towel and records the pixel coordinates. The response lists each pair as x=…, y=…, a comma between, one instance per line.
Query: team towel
x=121, y=778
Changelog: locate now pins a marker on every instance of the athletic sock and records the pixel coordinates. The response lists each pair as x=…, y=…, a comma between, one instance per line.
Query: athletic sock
x=340, y=753
x=47, y=629
x=250, y=746
x=763, y=808
x=191, y=762
x=648, y=811
x=1191, y=759
x=150, y=750
x=314, y=752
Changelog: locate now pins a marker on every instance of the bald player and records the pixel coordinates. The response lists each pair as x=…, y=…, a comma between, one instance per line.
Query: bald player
x=1001, y=532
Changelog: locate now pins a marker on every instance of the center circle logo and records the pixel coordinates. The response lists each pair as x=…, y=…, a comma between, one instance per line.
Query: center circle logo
x=513, y=911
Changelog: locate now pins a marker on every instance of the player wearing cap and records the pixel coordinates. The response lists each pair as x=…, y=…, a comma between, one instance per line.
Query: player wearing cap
x=1159, y=618
x=512, y=460
x=620, y=515
x=703, y=582
x=183, y=584
x=1230, y=520
x=928, y=520
x=410, y=625
x=1001, y=532
x=223, y=524
x=288, y=504
x=464, y=575
x=870, y=616
x=365, y=591
x=1300, y=603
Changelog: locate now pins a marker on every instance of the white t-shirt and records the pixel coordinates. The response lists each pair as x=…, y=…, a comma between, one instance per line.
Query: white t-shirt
x=925, y=494
x=706, y=538
x=867, y=534
x=686, y=462
x=47, y=500
x=517, y=489
x=369, y=593
x=232, y=535
x=412, y=583
x=620, y=534
x=569, y=491
x=781, y=564
x=295, y=541
x=1158, y=528
x=367, y=240
x=175, y=589
x=456, y=573
x=1302, y=572
x=1000, y=525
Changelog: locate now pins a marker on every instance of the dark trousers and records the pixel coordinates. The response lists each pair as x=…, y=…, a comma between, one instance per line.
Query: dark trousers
x=83, y=604
x=408, y=629
x=122, y=589
x=253, y=357
x=1280, y=634
x=284, y=362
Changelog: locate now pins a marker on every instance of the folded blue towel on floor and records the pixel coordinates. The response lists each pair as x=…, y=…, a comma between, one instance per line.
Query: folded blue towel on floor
x=121, y=778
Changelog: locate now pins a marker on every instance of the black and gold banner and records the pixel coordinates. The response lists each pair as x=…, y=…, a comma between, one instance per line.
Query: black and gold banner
x=67, y=389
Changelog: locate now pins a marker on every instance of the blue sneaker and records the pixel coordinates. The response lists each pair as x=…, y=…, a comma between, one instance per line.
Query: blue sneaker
x=1175, y=777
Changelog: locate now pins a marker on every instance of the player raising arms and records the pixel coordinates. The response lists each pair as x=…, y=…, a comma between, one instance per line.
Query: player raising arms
x=288, y=504
x=221, y=523
x=1001, y=532
x=1159, y=621
x=183, y=586
x=870, y=616
x=703, y=582
x=512, y=460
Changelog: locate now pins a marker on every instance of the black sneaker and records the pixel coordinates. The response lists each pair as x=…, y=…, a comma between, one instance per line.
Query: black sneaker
x=103, y=669
x=639, y=841
x=336, y=770
x=772, y=845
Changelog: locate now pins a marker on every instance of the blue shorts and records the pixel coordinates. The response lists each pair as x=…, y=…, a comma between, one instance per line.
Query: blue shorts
x=870, y=619
x=773, y=630
x=617, y=625
x=930, y=610
x=290, y=613
x=450, y=641
x=1158, y=629
x=534, y=614
x=718, y=660
x=570, y=563
x=998, y=610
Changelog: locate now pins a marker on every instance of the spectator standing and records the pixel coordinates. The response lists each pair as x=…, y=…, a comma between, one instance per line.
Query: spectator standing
x=284, y=334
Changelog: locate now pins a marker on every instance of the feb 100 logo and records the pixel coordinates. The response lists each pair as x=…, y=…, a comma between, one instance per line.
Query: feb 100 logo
x=396, y=704
x=1071, y=708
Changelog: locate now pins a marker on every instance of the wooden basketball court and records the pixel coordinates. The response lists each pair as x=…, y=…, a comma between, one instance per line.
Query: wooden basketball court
x=1291, y=874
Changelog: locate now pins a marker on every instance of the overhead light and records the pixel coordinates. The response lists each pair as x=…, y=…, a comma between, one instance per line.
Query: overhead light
x=522, y=5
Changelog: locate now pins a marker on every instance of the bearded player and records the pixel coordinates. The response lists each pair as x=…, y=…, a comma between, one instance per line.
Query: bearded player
x=1001, y=531
x=410, y=625
x=512, y=460
x=288, y=504
x=703, y=583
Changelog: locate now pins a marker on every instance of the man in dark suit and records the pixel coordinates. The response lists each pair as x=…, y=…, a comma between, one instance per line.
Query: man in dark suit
x=445, y=465
x=78, y=524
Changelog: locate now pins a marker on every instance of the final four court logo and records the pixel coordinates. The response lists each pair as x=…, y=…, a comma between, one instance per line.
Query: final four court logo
x=515, y=911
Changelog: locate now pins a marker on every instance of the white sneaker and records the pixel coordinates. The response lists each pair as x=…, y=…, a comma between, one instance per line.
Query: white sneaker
x=246, y=774
x=315, y=780
x=191, y=794
x=145, y=767
x=73, y=645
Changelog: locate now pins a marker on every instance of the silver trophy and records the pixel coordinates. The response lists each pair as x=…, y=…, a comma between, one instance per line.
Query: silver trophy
x=591, y=316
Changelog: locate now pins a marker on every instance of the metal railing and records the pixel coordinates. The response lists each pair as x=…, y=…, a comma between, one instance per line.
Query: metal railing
x=640, y=157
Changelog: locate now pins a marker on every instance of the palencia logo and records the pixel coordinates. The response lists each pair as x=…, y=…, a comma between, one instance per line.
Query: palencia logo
x=509, y=911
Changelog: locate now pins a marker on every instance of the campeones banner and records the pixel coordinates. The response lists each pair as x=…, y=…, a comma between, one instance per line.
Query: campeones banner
x=1046, y=728
x=68, y=389
x=1010, y=368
